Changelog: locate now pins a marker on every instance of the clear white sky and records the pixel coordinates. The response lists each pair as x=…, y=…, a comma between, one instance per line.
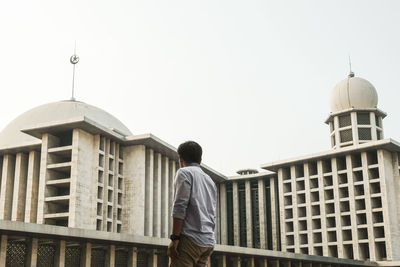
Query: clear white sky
x=249, y=80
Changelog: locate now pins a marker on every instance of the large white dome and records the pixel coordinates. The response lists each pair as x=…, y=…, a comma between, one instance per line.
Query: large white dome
x=353, y=92
x=11, y=136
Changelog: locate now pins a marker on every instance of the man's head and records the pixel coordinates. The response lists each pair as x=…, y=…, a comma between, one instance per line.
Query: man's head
x=189, y=152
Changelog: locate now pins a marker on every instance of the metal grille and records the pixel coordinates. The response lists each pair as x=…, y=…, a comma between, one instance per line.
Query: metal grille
x=344, y=120
x=229, y=217
x=242, y=214
x=346, y=136
x=142, y=259
x=162, y=260
x=364, y=134
x=72, y=256
x=121, y=258
x=16, y=254
x=255, y=214
x=98, y=258
x=45, y=255
x=363, y=118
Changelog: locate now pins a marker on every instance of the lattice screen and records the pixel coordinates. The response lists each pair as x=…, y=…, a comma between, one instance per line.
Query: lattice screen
x=346, y=136
x=363, y=118
x=98, y=258
x=344, y=120
x=16, y=254
x=121, y=258
x=46, y=255
x=364, y=134
x=142, y=259
x=73, y=256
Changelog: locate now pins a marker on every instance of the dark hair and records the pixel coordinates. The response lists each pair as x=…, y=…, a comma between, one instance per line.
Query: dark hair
x=190, y=152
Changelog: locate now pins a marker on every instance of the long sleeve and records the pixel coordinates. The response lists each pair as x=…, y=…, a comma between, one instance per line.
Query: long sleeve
x=183, y=187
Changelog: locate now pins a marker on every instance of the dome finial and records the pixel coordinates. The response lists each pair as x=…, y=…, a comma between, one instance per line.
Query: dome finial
x=351, y=73
x=74, y=59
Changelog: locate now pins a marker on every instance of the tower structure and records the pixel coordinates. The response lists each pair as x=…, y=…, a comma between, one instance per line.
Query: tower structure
x=355, y=118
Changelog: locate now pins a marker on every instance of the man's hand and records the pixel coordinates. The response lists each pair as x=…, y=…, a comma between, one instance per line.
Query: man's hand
x=173, y=249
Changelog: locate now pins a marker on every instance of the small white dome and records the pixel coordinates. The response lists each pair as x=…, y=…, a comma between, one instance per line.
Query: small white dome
x=11, y=136
x=353, y=92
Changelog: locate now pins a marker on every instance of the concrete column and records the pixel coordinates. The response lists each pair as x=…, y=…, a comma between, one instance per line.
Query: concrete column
x=133, y=206
x=335, y=178
x=262, y=214
x=322, y=208
x=353, y=215
x=19, y=194
x=236, y=262
x=82, y=203
x=32, y=189
x=251, y=262
x=157, y=195
x=281, y=210
x=148, y=227
x=86, y=256
x=337, y=134
x=308, y=209
x=276, y=243
x=171, y=177
x=222, y=261
x=354, y=128
x=294, y=209
x=31, y=259
x=152, y=260
x=390, y=188
x=110, y=256
x=3, y=250
x=164, y=197
x=263, y=263
x=7, y=187
x=223, y=214
x=60, y=254
x=374, y=136
x=132, y=257
x=236, y=234
x=48, y=141
x=249, y=220
x=367, y=192
x=217, y=230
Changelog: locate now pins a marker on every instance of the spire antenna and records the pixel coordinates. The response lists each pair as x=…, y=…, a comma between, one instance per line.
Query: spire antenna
x=351, y=73
x=74, y=59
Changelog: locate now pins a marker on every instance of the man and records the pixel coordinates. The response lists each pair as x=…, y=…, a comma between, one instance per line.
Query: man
x=193, y=211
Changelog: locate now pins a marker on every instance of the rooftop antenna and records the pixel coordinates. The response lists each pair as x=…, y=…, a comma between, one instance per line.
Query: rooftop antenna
x=351, y=73
x=74, y=59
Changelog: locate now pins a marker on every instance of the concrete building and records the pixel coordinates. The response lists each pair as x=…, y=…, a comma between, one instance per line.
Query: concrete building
x=77, y=188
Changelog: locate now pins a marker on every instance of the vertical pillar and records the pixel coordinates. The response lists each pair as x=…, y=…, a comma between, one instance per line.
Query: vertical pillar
x=367, y=192
x=132, y=257
x=335, y=179
x=274, y=214
x=353, y=215
x=354, y=128
x=249, y=220
x=164, y=197
x=236, y=234
x=7, y=187
x=322, y=208
x=308, y=209
x=236, y=262
x=59, y=259
x=262, y=214
x=148, y=227
x=281, y=211
x=157, y=195
x=152, y=260
x=171, y=177
x=32, y=187
x=223, y=214
x=222, y=261
x=294, y=209
x=110, y=256
x=19, y=194
x=337, y=133
x=31, y=260
x=263, y=263
x=134, y=172
x=3, y=250
x=86, y=257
